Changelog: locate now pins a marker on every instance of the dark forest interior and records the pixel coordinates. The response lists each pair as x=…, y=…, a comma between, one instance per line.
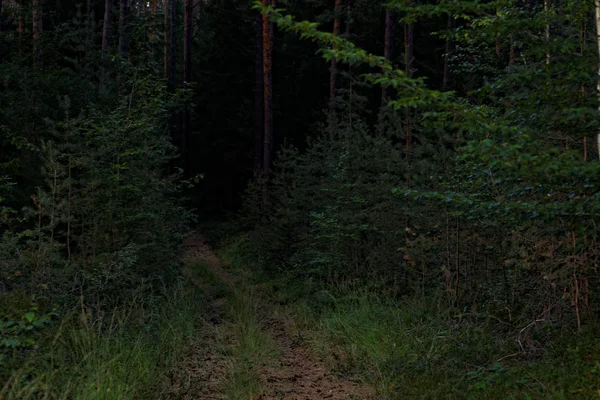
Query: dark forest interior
x=243, y=199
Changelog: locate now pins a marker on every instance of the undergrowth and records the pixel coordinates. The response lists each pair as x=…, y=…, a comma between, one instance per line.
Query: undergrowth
x=410, y=349
x=246, y=346
x=123, y=355
x=419, y=348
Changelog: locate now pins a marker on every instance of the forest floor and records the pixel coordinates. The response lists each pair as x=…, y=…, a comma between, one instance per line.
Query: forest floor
x=248, y=347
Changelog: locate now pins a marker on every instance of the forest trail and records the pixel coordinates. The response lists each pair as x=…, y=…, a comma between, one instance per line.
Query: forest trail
x=292, y=373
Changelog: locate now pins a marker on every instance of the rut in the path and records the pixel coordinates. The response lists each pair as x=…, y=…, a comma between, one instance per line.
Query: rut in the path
x=296, y=375
x=200, y=376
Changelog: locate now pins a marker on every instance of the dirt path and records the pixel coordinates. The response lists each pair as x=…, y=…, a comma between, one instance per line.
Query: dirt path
x=298, y=375
x=200, y=374
x=295, y=375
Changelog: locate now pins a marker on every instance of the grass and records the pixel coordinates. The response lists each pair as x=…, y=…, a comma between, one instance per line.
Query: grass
x=410, y=349
x=120, y=356
x=251, y=351
x=244, y=343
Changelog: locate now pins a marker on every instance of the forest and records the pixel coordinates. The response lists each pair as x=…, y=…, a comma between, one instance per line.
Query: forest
x=317, y=199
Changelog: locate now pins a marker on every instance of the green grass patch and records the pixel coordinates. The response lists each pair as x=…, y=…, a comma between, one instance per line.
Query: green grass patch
x=123, y=355
x=409, y=349
x=251, y=351
x=248, y=349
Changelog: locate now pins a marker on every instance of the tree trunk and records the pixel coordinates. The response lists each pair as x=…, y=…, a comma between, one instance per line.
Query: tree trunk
x=21, y=24
x=1, y=1
x=187, y=40
x=108, y=5
x=267, y=32
x=336, y=32
x=447, y=80
x=173, y=52
x=408, y=59
x=37, y=30
x=597, y=4
x=187, y=65
x=90, y=17
x=388, y=51
x=547, y=32
x=124, y=29
x=259, y=96
x=165, y=38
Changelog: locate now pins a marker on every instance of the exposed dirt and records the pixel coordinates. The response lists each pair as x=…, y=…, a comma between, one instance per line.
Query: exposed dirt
x=296, y=375
x=201, y=373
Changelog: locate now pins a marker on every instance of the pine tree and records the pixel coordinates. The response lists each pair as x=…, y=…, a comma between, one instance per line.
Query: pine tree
x=187, y=66
x=108, y=5
x=267, y=33
x=388, y=51
x=124, y=28
x=336, y=32
x=259, y=95
x=37, y=31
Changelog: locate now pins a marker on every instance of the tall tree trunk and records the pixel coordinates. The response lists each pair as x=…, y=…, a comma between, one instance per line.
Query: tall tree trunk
x=108, y=5
x=348, y=18
x=187, y=65
x=173, y=32
x=21, y=24
x=597, y=4
x=165, y=38
x=447, y=80
x=388, y=51
x=267, y=32
x=547, y=32
x=90, y=17
x=187, y=40
x=408, y=59
x=124, y=29
x=37, y=31
x=498, y=40
x=259, y=96
x=333, y=69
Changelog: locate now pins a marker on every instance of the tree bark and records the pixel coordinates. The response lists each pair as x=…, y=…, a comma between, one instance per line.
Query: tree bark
x=173, y=49
x=267, y=31
x=90, y=17
x=108, y=5
x=37, y=30
x=408, y=59
x=447, y=80
x=124, y=29
x=187, y=40
x=547, y=31
x=259, y=97
x=21, y=24
x=165, y=38
x=187, y=65
x=388, y=50
x=333, y=69
x=597, y=5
